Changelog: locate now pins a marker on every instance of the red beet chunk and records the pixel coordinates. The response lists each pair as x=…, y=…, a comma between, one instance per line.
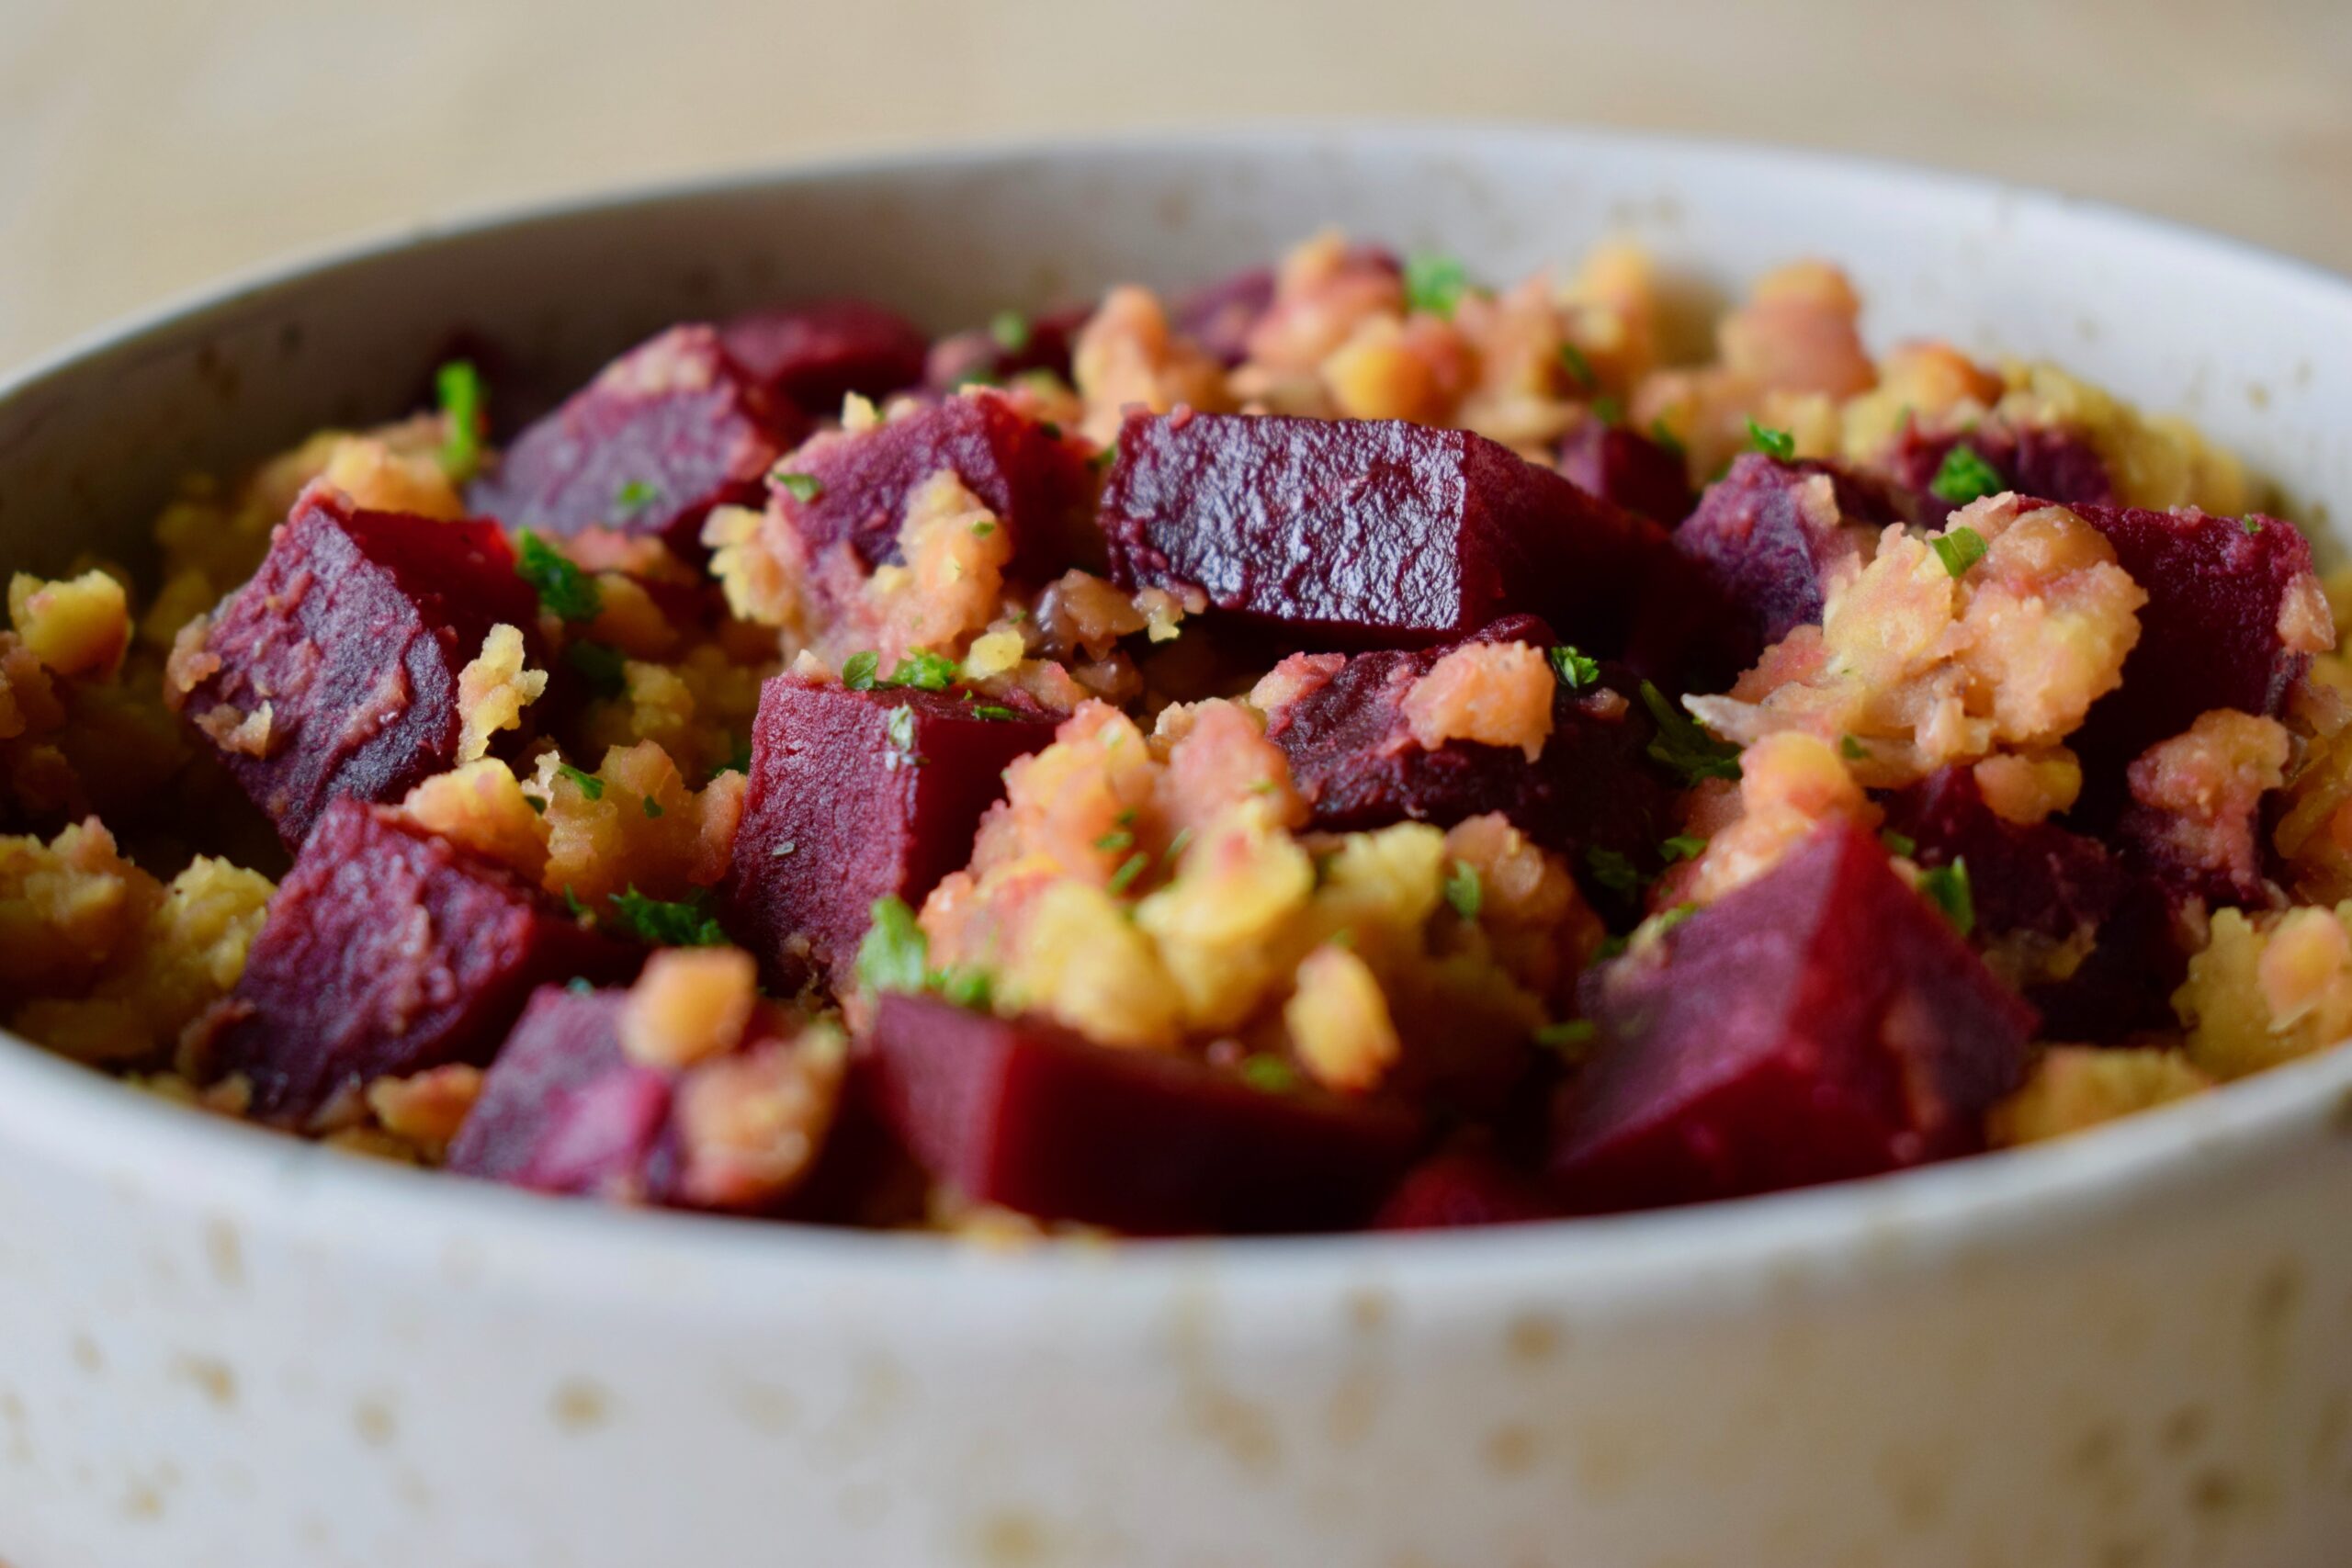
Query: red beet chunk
x=1824, y=1022
x=1014, y=345
x=1027, y=1114
x=1377, y=533
x=666, y=432
x=1217, y=316
x=561, y=1109
x=2045, y=462
x=387, y=950
x=1354, y=758
x=1769, y=539
x=1038, y=483
x=2209, y=634
x=353, y=633
x=812, y=355
x=849, y=801
x=1627, y=469
x=1455, y=1191
x=2043, y=880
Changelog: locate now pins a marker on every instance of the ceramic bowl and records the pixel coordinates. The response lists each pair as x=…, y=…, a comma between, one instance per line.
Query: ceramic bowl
x=2131, y=1349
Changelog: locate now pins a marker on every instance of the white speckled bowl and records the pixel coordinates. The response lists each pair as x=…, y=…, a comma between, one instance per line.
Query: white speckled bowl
x=219, y=1347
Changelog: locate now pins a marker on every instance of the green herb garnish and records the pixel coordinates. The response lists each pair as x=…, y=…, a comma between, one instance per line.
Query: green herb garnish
x=1464, y=890
x=1612, y=869
x=459, y=385
x=1946, y=886
x=1434, y=284
x=1573, y=361
x=1269, y=1074
x=1852, y=750
x=857, y=670
x=685, y=922
x=652, y=808
x=1129, y=869
x=1567, y=1034
x=603, y=666
x=1681, y=744
x=2251, y=524
x=1959, y=548
x=1964, y=475
x=590, y=784
x=1663, y=434
x=1011, y=329
x=1682, y=846
x=923, y=671
x=1777, y=444
x=990, y=710
x=1114, y=841
x=1575, y=672
x=1899, y=843
x=634, y=495
x=564, y=587
x=802, y=488
x=970, y=988
x=894, y=954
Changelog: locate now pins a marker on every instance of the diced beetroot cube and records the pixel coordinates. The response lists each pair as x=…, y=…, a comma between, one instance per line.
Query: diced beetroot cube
x=1037, y=482
x=561, y=1109
x=1770, y=536
x=854, y=796
x=2040, y=461
x=812, y=355
x=1354, y=758
x=2061, y=886
x=1379, y=532
x=1217, y=316
x=1627, y=469
x=1823, y=1021
x=2224, y=598
x=1455, y=1191
x=663, y=433
x=1027, y=1114
x=352, y=635
x=387, y=950
x=991, y=354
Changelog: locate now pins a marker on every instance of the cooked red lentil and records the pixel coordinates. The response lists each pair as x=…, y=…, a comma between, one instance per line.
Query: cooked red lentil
x=1344, y=746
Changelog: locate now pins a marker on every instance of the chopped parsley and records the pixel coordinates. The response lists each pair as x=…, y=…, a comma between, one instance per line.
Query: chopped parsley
x=1567, y=1034
x=1129, y=869
x=601, y=665
x=1612, y=869
x=685, y=922
x=1011, y=329
x=739, y=760
x=1663, y=434
x=580, y=911
x=923, y=671
x=1607, y=410
x=1573, y=361
x=2252, y=525
x=1959, y=548
x=990, y=710
x=802, y=488
x=1681, y=744
x=1463, y=891
x=1947, y=888
x=894, y=955
x=1776, y=444
x=459, y=385
x=590, y=784
x=1434, y=284
x=1176, y=845
x=984, y=527
x=652, y=808
x=965, y=988
x=899, y=735
x=1898, y=843
x=1575, y=672
x=1116, y=840
x=1269, y=1074
x=1664, y=921
x=563, y=585
x=1106, y=456
x=1964, y=475
x=634, y=496
x=538, y=804
x=1682, y=846
x=857, y=670
x=1852, y=750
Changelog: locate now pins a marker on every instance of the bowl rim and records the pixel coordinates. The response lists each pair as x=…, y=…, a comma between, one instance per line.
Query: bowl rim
x=81, y=1122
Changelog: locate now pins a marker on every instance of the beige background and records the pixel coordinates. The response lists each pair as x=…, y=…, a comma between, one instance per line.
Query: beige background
x=149, y=145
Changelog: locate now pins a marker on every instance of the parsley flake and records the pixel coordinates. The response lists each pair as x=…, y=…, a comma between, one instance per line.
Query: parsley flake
x=1681, y=744
x=990, y=710
x=1434, y=284
x=923, y=671
x=1898, y=843
x=1114, y=841
x=1269, y=1074
x=1573, y=361
x=1129, y=869
x=802, y=488
x=1852, y=750
x=685, y=922
x=1964, y=475
x=1612, y=869
x=564, y=587
x=1946, y=887
x=858, y=669
x=738, y=761
x=459, y=385
x=1567, y=1034
x=1011, y=329
x=652, y=808
x=1575, y=672
x=1776, y=444
x=1465, y=891
x=601, y=665
x=1663, y=434
x=590, y=784
x=970, y=988
x=1959, y=548
x=633, y=496
x=2252, y=525
x=894, y=955
x=1682, y=846
x=1607, y=410
x=983, y=528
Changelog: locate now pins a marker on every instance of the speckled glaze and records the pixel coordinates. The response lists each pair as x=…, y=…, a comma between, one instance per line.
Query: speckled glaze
x=222, y=1349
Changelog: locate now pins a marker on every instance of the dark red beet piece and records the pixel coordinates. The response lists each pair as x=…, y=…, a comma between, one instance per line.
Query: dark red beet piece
x=354, y=631
x=561, y=1109
x=1037, y=482
x=1382, y=533
x=812, y=355
x=2209, y=634
x=1455, y=1191
x=663, y=433
x=2041, y=878
x=387, y=950
x=1769, y=536
x=1030, y=1115
x=989, y=355
x=1627, y=469
x=1824, y=1022
x=840, y=811
x=2046, y=462
x=1354, y=758
x=1217, y=316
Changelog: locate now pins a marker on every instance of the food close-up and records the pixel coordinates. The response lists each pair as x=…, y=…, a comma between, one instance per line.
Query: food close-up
x=1355, y=743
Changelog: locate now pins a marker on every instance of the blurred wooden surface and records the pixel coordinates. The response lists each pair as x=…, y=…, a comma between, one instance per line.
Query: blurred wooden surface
x=149, y=145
